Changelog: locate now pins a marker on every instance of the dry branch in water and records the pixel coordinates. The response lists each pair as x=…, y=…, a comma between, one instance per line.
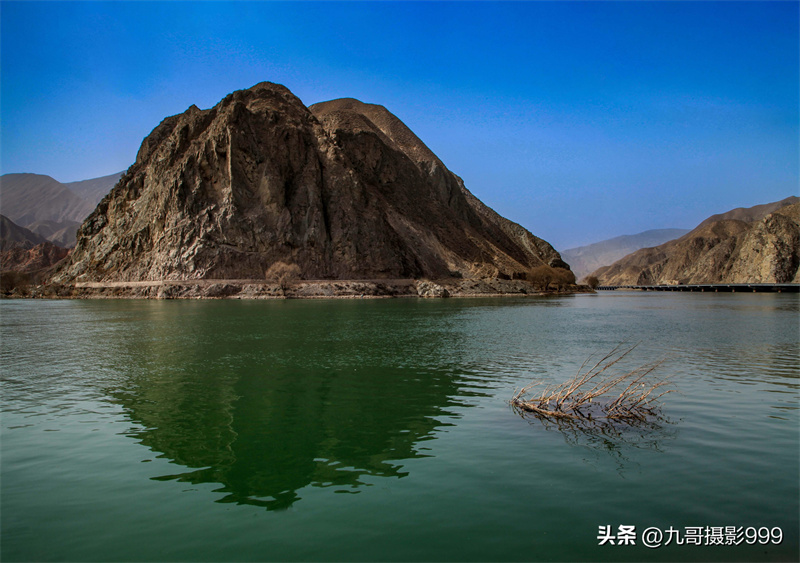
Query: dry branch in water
x=597, y=392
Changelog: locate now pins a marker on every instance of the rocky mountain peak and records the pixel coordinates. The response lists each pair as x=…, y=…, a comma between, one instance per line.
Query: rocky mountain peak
x=351, y=115
x=344, y=190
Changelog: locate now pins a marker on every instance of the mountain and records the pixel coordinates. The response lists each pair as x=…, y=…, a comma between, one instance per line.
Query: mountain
x=61, y=234
x=22, y=250
x=27, y=198
x=49, y=208
x=343, y=190
x=759, y=247
x=750, y=214
x=14, y=236
x=95, y=189
x=32, y=260
x=585, y=259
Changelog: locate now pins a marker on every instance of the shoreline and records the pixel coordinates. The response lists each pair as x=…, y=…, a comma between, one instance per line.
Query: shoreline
x=302, y=289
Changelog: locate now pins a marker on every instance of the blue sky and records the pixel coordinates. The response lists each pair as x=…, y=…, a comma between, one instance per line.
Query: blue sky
x=580, y=121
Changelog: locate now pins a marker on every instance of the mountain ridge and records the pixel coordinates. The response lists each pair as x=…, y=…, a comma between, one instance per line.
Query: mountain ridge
x=54, y=201
x=15, y=236
x=585, y=259
x=750, y=214
x=342, y=189
x=762, y=246
x=50, y=208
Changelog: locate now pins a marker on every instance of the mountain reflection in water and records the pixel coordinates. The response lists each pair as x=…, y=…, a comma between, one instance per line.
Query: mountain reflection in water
x=268, y=406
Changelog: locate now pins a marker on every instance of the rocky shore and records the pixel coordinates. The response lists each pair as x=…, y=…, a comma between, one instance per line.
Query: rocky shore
x=310, y=289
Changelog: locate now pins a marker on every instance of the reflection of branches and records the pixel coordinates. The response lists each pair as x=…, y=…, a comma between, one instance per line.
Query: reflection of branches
x=614, y=438
x=600, y=433
x=585, y=397
x=600, y=408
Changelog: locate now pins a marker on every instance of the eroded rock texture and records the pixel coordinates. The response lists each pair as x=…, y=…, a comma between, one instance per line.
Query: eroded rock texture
x=343, y=189
x=32, y=259
x=766, y=250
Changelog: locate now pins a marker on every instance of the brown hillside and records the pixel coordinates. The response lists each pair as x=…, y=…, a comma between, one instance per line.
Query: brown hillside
x=343, y=190
x=750, y=214
x=33, y=259
x=723, y=251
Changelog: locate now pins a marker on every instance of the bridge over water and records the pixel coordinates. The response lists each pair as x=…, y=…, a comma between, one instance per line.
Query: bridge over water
x=713, y=287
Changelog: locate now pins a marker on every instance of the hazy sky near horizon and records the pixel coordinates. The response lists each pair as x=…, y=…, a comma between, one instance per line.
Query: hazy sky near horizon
x=580, y=121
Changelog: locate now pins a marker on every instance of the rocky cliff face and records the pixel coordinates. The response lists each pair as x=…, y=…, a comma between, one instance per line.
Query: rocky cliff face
x=34, y=259
x=342, y=189
x=766, y=250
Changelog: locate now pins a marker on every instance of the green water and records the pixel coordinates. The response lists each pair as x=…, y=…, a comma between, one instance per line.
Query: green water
x=380, y=429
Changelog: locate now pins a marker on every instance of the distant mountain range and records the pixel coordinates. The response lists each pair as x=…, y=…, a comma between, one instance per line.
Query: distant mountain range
x=14, y=236
x=225, y=213
x=759, y=244
x=585, y=259
x=49, y=208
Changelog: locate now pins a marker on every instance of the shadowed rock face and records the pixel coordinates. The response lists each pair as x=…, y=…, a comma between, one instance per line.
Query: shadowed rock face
x=14, y=236
x=33, y=259
x=764, y=250
x=342, y=189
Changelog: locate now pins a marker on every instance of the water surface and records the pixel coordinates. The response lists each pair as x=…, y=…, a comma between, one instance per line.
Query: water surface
x=380, y=429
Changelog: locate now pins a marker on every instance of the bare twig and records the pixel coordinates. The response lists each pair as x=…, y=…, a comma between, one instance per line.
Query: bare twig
x=599, y=391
